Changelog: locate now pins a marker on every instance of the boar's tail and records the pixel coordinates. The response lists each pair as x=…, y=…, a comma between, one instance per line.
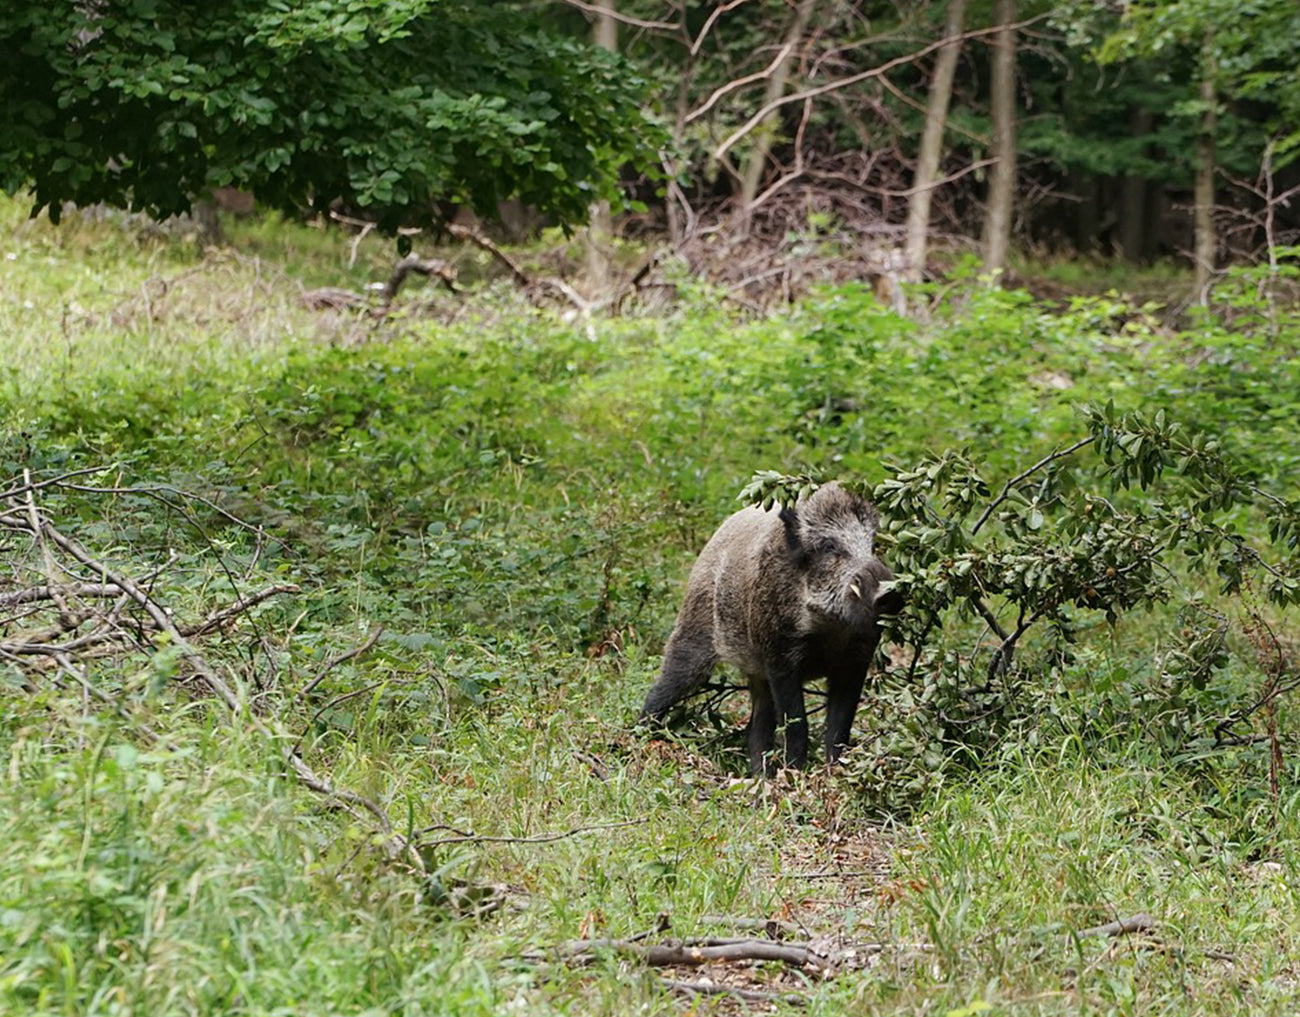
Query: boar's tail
x=686, y=668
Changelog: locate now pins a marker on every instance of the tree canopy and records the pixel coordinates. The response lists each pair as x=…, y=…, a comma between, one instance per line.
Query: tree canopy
x=397, y=108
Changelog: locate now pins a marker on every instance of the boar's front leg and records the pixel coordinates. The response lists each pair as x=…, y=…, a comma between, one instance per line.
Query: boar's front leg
x=762, y=726
x=843, y=691
x=791, y=718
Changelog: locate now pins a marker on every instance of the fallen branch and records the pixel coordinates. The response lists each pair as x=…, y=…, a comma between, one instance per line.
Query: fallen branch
x=522, y=278
x=1121, y=926
x=468, y=837
x=117, y=634
x=241, y=606
x=342, y=658
x=815, y=956
x=430, y=268
x=706, y=988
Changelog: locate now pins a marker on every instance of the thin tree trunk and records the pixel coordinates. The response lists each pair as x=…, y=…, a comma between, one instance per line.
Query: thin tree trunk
x=1002, y=181
x=751, y=175
x=1133, y=198
x=1206, y=241
x=927, y=159
x=605, y=35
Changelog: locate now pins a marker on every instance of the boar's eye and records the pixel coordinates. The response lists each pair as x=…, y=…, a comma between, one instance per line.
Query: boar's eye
x=829, y=547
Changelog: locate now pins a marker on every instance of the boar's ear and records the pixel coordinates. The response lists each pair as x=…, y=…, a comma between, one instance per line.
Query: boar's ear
x=888, y=601
x=791, y=522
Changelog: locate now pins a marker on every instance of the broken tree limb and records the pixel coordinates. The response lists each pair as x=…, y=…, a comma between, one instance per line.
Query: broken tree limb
x=430, y=268
x=707, y=988
x=342, y=658
x=1121, y=926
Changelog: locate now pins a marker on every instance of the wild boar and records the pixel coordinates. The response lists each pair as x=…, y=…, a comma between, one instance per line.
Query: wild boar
x=785, y=596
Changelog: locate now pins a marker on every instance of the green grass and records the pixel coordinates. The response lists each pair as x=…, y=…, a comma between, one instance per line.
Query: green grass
x=516, y=498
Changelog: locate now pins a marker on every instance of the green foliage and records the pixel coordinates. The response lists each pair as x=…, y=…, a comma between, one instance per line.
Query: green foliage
x=516, y=498
x=398, y=110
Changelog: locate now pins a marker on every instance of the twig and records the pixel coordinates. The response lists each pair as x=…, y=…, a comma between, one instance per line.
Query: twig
x=30, y=485
x=520, y=276
x=219, y=618
x=342, y=658
x=717, y=12
x=468, y=837
x=798, y=955
x=716, y=989
x=831, y=86
x=626, y=19
x=1060, y=453
x=749, y=79
x=32, y=594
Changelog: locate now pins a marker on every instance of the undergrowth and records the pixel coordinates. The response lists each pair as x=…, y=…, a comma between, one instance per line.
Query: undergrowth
x=515, y=497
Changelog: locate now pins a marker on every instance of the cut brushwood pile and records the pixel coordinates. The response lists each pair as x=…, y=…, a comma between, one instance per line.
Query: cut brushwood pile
x=71, y=617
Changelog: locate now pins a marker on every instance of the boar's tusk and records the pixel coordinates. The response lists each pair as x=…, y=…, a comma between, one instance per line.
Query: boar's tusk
x=857, y=591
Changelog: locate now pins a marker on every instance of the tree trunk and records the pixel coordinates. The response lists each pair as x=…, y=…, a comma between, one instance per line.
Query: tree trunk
x=1002, y=181
x=927, y=159
x=1133, y=199
x=751, y=174
x=605, y=35
x=1206, y=241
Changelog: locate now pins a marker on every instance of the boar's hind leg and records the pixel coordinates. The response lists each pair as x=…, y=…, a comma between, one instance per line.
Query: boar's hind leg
x=843, y=690
x=686, y=668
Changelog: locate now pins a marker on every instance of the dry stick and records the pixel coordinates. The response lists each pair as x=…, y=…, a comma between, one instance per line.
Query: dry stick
x=467, y=837
x=479, y=240
x=626, y=19
x=1121, y=927
x=427, y=267
x=520, y=276
x=65, y=615
x=188, y=653
x=803, y=954
x=31, y=594
x=29, y=485
x=666, y=955
x=219, y=618
x=718, y=11
x=331, y=703
x=342, y=658
x=749, y=79
x=157, y=491
x=748, y=995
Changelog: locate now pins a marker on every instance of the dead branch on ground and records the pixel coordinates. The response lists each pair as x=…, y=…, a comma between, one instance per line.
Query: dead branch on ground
x=61, y=605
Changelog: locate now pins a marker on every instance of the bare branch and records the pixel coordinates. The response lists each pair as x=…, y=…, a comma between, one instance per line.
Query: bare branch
x=342, y=658
x=1060, y=453
x=722, y=91
x=1121, y=926
x=716, y=13
x=219, y=618
x=626, y=19
x=854, y=79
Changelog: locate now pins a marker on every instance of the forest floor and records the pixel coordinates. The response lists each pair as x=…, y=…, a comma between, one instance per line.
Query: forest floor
x=322, y=632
